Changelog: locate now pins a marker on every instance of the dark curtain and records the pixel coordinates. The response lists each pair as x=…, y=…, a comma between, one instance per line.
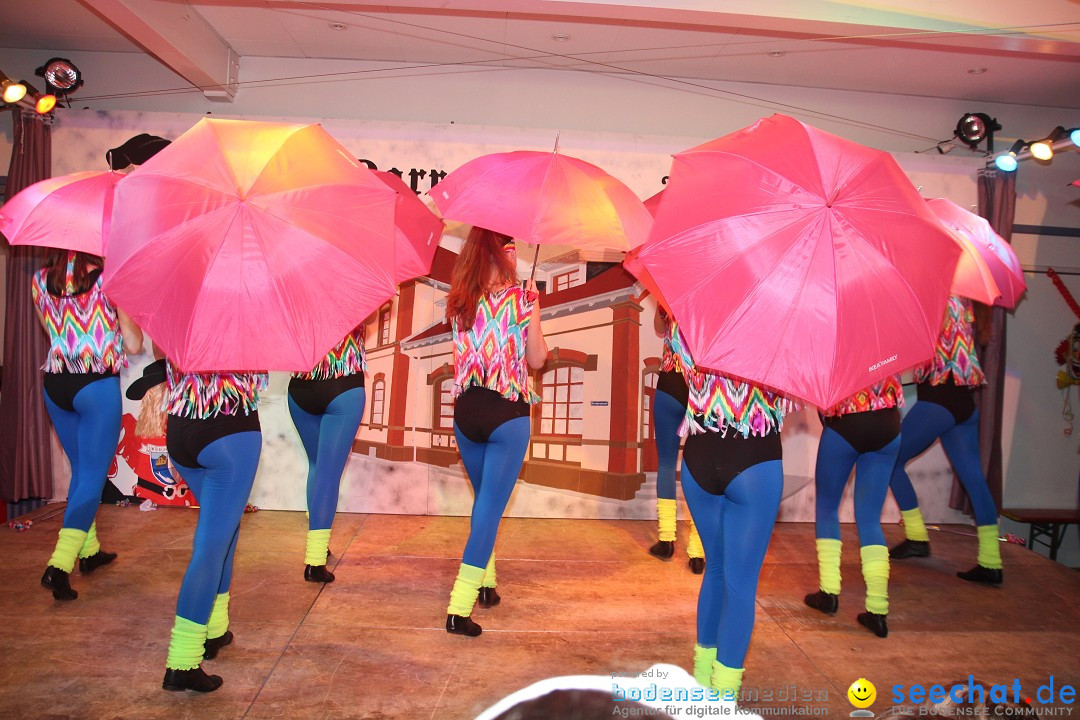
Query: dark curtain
x=997, y=203
x=25, y=432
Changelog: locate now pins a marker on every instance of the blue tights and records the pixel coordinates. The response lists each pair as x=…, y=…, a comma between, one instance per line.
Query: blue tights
x=667, y=415
x=926, y=422
x=835, y=459
x=222, y=486
x=328, y=440
x=89, y=436
x=493, y=468
x=735, y=530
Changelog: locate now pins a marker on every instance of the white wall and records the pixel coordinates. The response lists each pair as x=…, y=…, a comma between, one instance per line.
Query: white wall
x=1042, y=463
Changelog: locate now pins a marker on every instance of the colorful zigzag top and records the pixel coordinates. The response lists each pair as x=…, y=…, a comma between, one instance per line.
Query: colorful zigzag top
x=886, y=393
x=670, y=360
x=491, y=353
x=346, y=358
x=205, y=395
x=955, y=351
x=717, y=402
x=84, y=331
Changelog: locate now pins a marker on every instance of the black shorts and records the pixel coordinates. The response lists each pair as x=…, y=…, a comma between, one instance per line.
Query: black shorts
x=673, y=383
x=186, y=438
x=478, y=412
x=314, y=396
x=957, y=399
x=62, y=387
x=715, y=460
x=866, y=431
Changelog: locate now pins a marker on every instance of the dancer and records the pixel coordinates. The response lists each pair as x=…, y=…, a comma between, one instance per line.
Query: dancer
x=669, y=407
x=88, y=337
x=733, y=480
x=326, y=406
x=946, y=409
x=863, y=432
x=214, y=440
x=497, y=337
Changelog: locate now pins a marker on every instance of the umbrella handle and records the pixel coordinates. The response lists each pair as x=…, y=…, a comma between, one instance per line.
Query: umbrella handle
x=532, y=274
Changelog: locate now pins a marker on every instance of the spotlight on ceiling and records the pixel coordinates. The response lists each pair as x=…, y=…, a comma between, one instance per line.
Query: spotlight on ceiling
x=973, y=128
x=62, y=78
x=42, y=103
x=1008, y=162
x=1044, y=149
x=12, y=91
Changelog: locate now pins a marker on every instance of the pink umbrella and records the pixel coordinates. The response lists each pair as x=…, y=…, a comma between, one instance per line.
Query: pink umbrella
x=989, y=270
x=417, y=230
x=63, y=212
x=251, y=246
x=799, y=260
x=541, y=197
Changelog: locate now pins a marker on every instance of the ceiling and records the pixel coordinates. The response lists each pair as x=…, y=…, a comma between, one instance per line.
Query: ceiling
x=1000, y=51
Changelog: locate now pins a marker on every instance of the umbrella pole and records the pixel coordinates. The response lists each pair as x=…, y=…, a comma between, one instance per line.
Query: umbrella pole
x=556, y=150
x=535, y=256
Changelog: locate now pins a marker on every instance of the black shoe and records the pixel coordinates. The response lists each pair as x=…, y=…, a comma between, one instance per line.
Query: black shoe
x=488, y=597
x=88, y=565
x=461, y=625
x=194, y=679
x=910, y=548
x=823, y=601
x=979, y=573
x=318, y=573
x=663, y=549
x=56, y=580
x=210, y=649
x=697, y=565
x=875, y=622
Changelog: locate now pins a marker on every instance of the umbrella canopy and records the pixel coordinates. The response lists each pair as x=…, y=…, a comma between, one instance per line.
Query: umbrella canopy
x=251, y=246
x=541, y=197
x=65, y=212
x=799, y=260
x=987, y=261
x=417, y=230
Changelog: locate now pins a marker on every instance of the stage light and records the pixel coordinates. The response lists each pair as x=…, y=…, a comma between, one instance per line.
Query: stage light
x=42, y=103
x=61, y=77
x=12, y=91
x=973, y=128
x=1074, y=136
x=1044, y=149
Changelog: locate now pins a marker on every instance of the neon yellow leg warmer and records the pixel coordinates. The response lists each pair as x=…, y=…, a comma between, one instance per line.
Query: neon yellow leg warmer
x=914, y=527
x=875, y=571
x=828, y=561
x=186, y=645
x=704, y=657
x=693, y=547
x=317, y=543
x=91, y=546
x=727, y=680
x=489, y=573
x=466, y=588
x=219, y=617
x=68, y=545
x=665, y=517
x=989, y=550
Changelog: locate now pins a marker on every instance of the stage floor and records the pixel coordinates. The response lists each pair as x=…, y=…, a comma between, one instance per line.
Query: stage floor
x=579, y=597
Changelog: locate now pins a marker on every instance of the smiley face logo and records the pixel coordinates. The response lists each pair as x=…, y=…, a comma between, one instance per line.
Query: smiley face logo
x=862, y=693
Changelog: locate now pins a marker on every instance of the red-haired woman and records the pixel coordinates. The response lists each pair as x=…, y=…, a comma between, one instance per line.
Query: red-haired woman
x=497, y=338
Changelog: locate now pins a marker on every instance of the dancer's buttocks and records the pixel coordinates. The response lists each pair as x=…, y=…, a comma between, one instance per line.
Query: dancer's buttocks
x=673, y=383
x=478, y=412
x=187, y=437
x=957, y=399
x=314, y=396
x=715, y=459
x=866, y=431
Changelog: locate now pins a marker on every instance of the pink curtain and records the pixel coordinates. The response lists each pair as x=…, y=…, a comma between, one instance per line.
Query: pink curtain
x=997, y=203
x=25, y=457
